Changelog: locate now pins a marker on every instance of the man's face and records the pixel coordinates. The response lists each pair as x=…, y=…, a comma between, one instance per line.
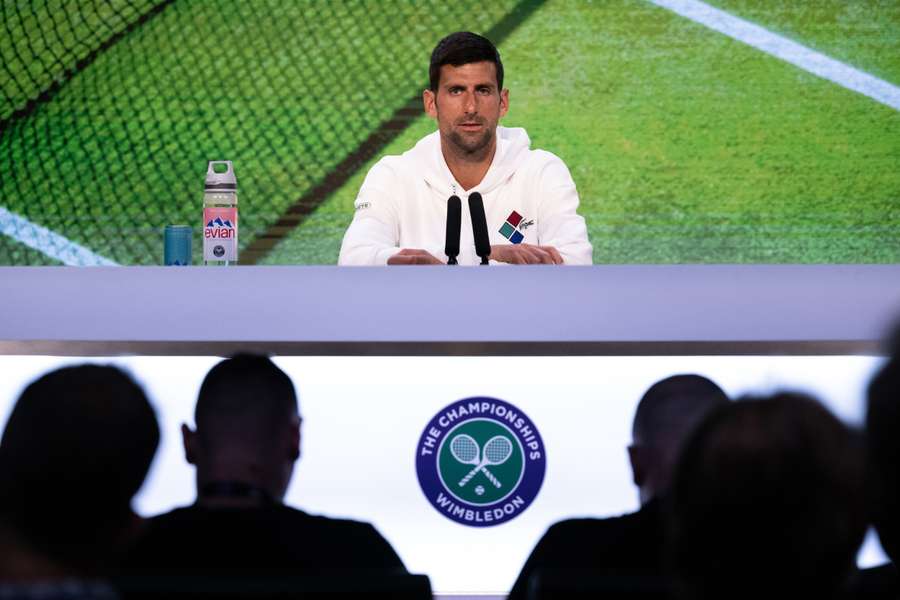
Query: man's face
x=468, y=106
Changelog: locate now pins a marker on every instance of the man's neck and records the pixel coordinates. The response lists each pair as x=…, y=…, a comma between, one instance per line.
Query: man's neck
x=468, y=169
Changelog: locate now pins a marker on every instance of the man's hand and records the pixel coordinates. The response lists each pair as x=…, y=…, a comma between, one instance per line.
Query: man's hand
x=526, y=254
x=413, y=256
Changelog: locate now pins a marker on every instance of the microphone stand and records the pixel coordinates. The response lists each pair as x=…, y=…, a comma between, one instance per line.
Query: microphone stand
x=454, y=224
x=479, y=227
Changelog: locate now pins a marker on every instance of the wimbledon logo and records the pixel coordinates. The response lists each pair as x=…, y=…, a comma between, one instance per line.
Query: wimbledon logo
x=480, y=461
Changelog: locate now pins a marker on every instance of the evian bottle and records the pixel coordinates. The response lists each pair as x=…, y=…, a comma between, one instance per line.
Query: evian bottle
x=220, y=215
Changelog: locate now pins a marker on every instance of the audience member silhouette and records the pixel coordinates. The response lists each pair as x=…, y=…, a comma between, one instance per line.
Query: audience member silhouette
x=244, y=449
x=767, y=500
x=632, y=544
x=76, y=448
x=883, y=461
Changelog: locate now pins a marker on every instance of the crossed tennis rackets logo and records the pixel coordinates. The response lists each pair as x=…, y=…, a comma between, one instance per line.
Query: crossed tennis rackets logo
x=497, y=451
x=478, y=436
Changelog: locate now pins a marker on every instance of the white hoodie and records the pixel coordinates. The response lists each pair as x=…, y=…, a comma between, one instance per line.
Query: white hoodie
x=403, y=204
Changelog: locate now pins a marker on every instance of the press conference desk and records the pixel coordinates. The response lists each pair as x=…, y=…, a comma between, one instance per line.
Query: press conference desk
x=539, y=310
x=583, y=405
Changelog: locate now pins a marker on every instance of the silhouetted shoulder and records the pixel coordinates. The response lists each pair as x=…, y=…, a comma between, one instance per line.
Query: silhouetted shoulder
x=572, y=535
x=627, y=544
x=876, y=583
x=252, y=539
x=356, y=542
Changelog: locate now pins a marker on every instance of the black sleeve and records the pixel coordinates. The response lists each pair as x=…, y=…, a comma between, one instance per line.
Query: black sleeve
x=375, y=552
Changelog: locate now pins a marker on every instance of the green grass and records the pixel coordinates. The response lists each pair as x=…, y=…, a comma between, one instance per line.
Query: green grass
x=45, y=38
x=20, y=254
x=318, y=239
x=286, y=90
x=686, y=146
x=862, y=33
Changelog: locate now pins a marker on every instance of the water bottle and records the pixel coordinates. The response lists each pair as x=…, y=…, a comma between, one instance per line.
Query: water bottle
x=220, y=215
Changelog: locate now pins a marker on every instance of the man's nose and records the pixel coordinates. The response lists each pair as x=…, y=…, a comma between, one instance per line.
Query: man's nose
x=470, y=105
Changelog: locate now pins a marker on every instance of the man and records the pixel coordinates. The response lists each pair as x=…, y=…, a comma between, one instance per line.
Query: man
x=75, y=450
x=632, y=545
x=767, y=500
x=244, y=448
x=529, y=198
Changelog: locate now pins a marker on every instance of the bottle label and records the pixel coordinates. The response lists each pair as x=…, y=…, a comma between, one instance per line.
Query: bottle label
x=220, y=233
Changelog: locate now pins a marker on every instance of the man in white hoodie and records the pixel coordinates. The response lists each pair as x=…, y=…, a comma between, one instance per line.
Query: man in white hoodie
x=530, y=200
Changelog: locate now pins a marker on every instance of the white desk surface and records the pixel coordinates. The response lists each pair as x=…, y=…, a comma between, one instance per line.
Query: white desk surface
x=321, y=310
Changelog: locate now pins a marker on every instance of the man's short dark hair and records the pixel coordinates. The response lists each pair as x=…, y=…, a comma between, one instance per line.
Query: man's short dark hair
x=462, y=48
x=674, y=406
x=242, y=399
x=767, y=489
x=76, y=448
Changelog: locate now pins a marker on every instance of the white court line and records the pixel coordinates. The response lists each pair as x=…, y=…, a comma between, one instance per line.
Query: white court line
x=788, y=51
x=50, y=243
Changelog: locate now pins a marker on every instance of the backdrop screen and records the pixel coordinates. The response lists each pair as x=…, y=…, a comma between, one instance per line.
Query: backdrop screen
x=727, y=131
x=363, y=418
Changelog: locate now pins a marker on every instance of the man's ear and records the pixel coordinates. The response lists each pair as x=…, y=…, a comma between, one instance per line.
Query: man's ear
x=638, y=466
x=504, y=102
x=295, y=438
x=429, y=101
x=189, y=438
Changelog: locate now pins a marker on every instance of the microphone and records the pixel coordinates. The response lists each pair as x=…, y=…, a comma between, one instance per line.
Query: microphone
x=454, y=224
x=479, y=227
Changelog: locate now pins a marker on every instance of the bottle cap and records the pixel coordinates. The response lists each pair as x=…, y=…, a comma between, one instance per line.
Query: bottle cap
x=220, y=182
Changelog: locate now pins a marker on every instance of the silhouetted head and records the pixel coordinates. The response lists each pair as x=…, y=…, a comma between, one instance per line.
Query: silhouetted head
x=75, y=450
x=666, y=414
x=767, y=496
x=248, y=427
x=883, y=454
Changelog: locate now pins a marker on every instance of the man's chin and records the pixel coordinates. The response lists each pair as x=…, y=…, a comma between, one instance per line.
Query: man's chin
x=472, y=143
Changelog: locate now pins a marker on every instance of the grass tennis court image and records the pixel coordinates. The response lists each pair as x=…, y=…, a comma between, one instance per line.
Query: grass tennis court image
x=726, y=131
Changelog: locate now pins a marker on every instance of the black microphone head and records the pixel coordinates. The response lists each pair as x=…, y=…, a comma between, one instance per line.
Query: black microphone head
x=454, y=224
x=479, y=226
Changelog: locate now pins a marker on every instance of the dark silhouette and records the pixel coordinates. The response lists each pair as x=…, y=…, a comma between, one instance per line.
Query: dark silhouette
x=767, y=499
x=883, y=436
x=244, y=448
x=75, y=450
x=883, y=462
x=631, y=545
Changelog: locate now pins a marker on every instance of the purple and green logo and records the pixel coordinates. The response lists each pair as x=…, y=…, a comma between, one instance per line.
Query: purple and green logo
x=480, y=461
